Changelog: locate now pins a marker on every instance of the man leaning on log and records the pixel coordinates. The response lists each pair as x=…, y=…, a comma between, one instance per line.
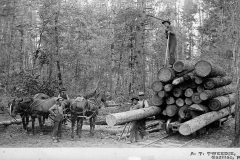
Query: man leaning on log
x=139, y=125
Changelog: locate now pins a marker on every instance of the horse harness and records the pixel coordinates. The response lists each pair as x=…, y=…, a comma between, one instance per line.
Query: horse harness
x=80, y=99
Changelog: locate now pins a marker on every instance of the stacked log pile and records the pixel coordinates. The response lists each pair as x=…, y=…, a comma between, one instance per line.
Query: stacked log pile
x=189, y=89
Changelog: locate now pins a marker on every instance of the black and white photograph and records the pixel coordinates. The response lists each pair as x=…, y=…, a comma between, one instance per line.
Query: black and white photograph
x=119, y=79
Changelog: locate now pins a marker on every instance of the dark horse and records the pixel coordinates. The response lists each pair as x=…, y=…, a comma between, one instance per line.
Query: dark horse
x=36, y=108
x=24, y=115
x=80, y=109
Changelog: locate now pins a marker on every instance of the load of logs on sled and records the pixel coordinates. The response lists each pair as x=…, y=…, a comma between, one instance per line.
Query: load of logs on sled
x=188, y=96
x=188, y=90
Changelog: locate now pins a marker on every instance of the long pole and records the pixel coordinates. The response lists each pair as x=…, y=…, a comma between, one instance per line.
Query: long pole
x=166, y=54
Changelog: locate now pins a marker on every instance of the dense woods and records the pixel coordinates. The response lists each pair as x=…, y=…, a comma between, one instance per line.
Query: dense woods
x=47, y=44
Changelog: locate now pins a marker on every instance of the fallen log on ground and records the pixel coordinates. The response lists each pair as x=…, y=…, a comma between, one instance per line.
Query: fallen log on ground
x=206, y=69
x=124, y=117
x=203, y=120
x=10, y=122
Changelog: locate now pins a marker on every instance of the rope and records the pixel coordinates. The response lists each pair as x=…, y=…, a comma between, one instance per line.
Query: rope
x=166, y=54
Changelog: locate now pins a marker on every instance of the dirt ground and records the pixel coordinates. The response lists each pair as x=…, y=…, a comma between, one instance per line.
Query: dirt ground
x=13, y=136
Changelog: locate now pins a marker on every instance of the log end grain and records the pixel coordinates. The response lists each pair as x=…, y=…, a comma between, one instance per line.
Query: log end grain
x=214, y=105
x=157, y=86
x=171, y=110
x=185, y=129
x=203, y=68
x=111, y=120
x=156, y=100
x=179, y=102
x=178, y=66
x=196, y=98
x=209, y=84
x=166, y=74
x=204, y=95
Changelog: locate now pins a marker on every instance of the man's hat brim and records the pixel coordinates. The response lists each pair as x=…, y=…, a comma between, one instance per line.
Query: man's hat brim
x=135, y=98
x=167, y=21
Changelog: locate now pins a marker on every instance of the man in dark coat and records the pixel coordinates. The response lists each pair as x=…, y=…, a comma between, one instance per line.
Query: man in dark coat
x=63, y=94
x=172, y=41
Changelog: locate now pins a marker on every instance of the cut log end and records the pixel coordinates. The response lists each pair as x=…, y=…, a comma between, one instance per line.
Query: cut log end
x=185, y=129
x=178, y=66
x=156, y=100
x=204, y=95
x=203, y=68
x=214, y=105
x=209, y=84
x=111, y=120
x=157, y=86
x=196, y=98
x=165, y=74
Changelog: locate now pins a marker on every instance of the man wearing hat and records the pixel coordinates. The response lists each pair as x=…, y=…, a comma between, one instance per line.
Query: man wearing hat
x=142, y=123
x=57, y=111
x=134, y=124
x=172, y=41
x=63, y=94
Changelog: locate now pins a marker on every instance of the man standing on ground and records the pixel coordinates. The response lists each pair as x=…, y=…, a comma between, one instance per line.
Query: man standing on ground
x=134, y=124
x=172, y=41
x=57, y=111
x=142, y=123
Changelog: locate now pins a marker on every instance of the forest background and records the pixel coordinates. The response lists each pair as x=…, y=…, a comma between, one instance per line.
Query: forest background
x=122, y=42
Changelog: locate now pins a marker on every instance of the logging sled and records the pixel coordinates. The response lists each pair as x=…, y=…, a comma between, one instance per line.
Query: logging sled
x=190, y=97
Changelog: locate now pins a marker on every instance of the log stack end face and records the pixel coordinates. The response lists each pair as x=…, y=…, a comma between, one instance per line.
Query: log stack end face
x=166, y=74
x=178, y=66
x=111, y=120
x=203, y=68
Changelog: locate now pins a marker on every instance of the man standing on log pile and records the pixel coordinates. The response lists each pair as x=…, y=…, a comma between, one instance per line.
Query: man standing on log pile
x=136, y=126
x=171, y=42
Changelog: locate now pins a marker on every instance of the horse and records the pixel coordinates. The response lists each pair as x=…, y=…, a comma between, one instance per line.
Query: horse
x=36, y=108
x=23, y=114
x=80, y=109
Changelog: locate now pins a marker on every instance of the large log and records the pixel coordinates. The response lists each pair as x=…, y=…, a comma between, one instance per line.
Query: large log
x=168, y=87
x=206, y=69
x=171, y=110
x=166, y=74
x=188, y=92
x=180, y=66
x=208, y=94
x=156, y=100
x=124, y=117
x=217, y=82
x=196, y=98
x=203, y=120
x=177, y=92
x=157, y=86
x=180, y=102
x=218, y=103
x=170, y=100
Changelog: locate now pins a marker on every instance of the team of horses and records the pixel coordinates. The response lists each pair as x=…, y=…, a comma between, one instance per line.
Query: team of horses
x=76, y=110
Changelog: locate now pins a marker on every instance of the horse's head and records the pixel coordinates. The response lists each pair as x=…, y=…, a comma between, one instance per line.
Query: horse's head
x=19, y=105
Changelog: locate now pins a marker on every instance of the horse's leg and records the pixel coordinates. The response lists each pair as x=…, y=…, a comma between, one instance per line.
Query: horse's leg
x=79, y=127
x=33, y=123
x=40, y=125
x=92, y=125
x=73, y=119
x=24, y=124
x=27, y=122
